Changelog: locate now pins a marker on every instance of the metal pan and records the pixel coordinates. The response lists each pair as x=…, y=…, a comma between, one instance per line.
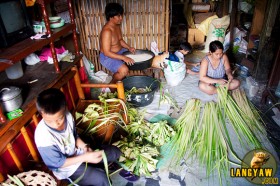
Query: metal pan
x=143, y=64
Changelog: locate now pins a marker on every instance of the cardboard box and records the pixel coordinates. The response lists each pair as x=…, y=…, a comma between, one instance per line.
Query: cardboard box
x=200, y=17
x=195, y=37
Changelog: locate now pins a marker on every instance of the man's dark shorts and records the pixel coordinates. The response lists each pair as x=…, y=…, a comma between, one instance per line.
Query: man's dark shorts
x=112, y=64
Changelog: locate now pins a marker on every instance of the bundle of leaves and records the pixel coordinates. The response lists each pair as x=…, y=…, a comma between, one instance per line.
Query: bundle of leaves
x=203, y=134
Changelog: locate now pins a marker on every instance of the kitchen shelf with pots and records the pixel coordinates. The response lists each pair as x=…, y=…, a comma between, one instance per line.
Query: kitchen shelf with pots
x=43, y=75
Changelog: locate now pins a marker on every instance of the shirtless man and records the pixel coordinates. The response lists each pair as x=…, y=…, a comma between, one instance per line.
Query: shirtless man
x=112, y=44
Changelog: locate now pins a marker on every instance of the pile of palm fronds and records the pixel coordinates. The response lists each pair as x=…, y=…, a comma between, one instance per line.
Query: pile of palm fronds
x=96, y=116
x=140, y=147
x=203, y=133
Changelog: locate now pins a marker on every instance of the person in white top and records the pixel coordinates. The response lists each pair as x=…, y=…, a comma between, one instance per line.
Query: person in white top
x=61, y=148
x=184, y=49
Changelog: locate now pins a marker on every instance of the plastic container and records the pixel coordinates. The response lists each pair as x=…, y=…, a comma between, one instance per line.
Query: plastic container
x=244, y=71
x=140, y=99
x=253, y=86
x=253, y=89
x=15, y=71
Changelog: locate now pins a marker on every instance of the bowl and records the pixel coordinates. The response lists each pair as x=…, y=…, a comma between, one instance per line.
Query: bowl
x=140, y=99
x=54, y=19
x=57, y=24
x=143, y=63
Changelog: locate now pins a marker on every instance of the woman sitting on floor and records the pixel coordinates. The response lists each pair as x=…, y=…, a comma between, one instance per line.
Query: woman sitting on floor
x=215, y=70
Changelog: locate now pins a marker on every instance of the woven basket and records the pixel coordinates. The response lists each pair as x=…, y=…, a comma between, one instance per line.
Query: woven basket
x=34, y=178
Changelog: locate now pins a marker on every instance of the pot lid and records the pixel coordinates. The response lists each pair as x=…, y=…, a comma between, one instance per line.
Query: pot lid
x=9, y=93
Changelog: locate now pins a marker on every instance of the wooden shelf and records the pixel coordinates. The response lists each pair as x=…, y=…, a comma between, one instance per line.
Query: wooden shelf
x=44, y=74
x=46, y=77
x=22, y=49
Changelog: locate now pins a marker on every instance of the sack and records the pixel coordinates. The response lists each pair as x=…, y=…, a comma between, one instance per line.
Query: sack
x=217, y=30
x=204, y=25
x=174, y=72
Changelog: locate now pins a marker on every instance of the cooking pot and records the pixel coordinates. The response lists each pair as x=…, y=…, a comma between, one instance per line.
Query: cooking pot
x=10, y=98
x=140, y=99
x=142, y=65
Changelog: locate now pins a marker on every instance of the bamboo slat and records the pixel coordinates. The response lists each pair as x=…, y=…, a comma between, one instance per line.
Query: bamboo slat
x=144, y=21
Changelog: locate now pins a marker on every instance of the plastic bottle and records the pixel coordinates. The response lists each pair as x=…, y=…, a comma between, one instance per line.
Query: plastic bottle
x=91, y=72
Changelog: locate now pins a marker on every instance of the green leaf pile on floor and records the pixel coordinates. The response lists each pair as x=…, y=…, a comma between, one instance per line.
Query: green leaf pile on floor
x=202, y=133
x=141, y=146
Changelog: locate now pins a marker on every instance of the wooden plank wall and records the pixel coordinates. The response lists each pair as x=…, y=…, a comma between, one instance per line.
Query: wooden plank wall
x=144, y=21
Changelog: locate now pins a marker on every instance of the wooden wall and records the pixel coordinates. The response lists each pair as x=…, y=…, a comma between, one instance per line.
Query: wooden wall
x=144, y=21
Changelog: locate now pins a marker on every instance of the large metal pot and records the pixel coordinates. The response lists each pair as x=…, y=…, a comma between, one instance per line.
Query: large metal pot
x=10, y=98
x=142, y=65
x=140, y=99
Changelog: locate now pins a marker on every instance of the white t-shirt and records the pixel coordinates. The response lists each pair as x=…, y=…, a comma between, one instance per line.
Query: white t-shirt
x=180, y=56
x=55, y=146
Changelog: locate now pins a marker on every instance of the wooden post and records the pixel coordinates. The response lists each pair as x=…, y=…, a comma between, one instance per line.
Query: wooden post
x=14, y=157
x=78, y=83
x=2, y=179
x=75, y=39
x=29, y=144
x=47, y=24
x=35, y=119
x=232, y=22
x=120, y=90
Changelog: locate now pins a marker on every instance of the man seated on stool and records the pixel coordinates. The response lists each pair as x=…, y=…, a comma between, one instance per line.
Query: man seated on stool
x=112, y=44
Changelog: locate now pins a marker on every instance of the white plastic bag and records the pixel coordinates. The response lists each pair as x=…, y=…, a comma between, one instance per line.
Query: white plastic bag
x=89, y=67
x=175, y=72
x=237, y=35
x=154, y=48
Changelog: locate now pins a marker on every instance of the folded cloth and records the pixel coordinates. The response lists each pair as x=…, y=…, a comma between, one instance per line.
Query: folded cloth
x=46, y=53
